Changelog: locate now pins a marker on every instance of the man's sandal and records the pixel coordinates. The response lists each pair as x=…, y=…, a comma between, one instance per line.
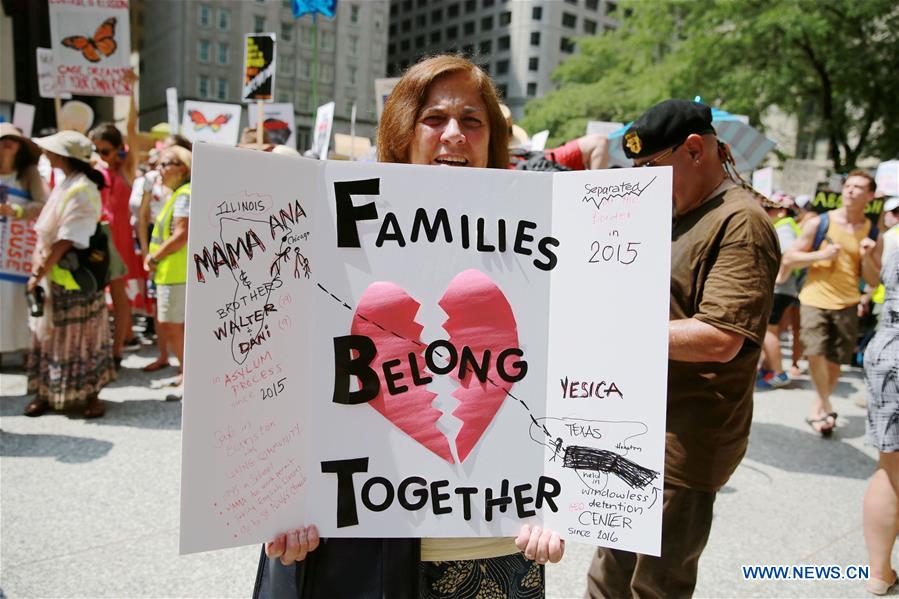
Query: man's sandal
x=824, y=431
x=95, y=409
x=37, y=407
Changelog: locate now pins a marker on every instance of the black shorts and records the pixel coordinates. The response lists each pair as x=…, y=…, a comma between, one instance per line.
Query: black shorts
x=780, y=305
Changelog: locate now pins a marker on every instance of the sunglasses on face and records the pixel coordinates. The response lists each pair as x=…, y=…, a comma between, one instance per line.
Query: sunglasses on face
x=167, y=163
x=664, y=154
x=105, y=151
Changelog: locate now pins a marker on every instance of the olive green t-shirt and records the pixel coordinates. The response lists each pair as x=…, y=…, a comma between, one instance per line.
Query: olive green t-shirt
x=724, y=259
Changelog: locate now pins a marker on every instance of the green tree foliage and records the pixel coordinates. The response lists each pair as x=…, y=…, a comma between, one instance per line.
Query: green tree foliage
x=832, y=63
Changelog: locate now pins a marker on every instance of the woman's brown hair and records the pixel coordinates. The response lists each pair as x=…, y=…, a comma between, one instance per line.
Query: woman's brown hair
x=397, y=127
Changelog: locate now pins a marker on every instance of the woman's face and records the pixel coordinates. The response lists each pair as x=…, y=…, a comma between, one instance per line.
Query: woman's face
x=453, y=128
x=108, y=152
x=56, y=161
x=172, y=170
x=9, y=147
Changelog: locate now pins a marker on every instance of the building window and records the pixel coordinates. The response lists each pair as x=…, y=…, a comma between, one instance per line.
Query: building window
x=532, y=89
x=203, y=51
x=502, y=89
x=503, y=42
x=392, y=29
x=485, y=67
x=394, y=10
x=419, y=42
x=421, y=20
x=502, y=67
x=535, y=38
x=354, y=44
x=436, y=16
x=407, y=5
x=404, y=46
x=351, y=75
x=283, y=97
x=571, y=2
x=569, y=20
x=566, y=45
x=204, y=16
x=592, y=4
x=611, y=7
x=306, y=36
x=537, y=13
x=224, y=19
x=354, y=13
x=435, y=37
x=505, y=18
x=223, y=53
x=305, y=70
x=470, y=6
x=406, y=26
x=285, y=65
x=487, y=23
x=589, y=27
x=452, y=32
x=452, y=11
x=487, y=3
x=286, y=32
x=203, y=86
x=468, y=28
x=533, y=63
x=221, y=89
x=258, y=24
x=326, y=74
x=327, y=41
x=486, y=47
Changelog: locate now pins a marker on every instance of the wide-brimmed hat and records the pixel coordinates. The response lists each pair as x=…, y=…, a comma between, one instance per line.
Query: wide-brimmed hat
x=10, y=130
x=70, y=144
x=890, y=204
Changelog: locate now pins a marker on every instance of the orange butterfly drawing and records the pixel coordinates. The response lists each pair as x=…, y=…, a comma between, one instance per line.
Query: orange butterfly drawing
x=199, y=120
x=91, y=48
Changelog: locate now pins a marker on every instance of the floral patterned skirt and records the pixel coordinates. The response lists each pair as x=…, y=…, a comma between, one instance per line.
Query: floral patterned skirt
x=74, y=362
x=511, y=576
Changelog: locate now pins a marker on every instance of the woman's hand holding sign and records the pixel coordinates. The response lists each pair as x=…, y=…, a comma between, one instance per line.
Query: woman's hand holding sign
x=541, y=545
x=293, y=546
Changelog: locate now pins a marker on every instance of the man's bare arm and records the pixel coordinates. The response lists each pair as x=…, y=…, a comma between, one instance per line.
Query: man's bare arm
x=691, y=340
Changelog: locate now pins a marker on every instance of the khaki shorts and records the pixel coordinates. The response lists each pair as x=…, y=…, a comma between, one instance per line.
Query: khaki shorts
x=170, y=303
x=829, y=333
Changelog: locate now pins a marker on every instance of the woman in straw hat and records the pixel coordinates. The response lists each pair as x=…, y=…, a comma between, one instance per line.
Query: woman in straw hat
x=71, y=355
x=25, y=194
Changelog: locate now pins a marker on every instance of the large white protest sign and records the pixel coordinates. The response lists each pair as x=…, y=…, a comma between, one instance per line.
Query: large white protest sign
x=48, y=76
x=321, y=132
x=799, y=177
x=91, y=46
x=278, y=121
x=23, y=117
x=171, y=106
x=392, y=350
x=211, y=121
x=763, y=181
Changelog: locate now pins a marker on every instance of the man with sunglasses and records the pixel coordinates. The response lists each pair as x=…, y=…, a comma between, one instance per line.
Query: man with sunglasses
x=724, y=259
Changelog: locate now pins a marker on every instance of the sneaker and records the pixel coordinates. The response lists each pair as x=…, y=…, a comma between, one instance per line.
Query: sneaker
x=776, y=381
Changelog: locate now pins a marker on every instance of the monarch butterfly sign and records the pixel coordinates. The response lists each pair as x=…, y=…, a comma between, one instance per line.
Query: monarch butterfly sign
x=211, y=121
x=91, y=46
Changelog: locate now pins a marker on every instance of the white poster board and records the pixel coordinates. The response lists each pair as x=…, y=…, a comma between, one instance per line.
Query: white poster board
x=23, y=117
x=278, y=122
x=211, y=121
x=383, y=87
x=763, y=181
x=171, y=105
x=603, y=127
x=330, y=306
x=321, y=132
x=800, y=177
x=887, y=178
x=538, y=140
x=91, y=46
x=48, y=76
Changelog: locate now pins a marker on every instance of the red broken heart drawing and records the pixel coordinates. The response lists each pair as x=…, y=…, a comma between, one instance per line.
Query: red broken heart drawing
x=480, y=317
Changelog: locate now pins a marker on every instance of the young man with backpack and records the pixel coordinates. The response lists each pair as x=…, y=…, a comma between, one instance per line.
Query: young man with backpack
x=838, y=249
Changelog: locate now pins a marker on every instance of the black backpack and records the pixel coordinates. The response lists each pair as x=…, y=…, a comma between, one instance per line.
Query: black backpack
x=526, y=160
x=90, y=266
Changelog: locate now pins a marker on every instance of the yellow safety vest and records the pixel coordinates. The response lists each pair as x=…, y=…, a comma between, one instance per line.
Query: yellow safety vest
x=171, y=270
x=881, y=292
x=59, y=275
x=788, y=220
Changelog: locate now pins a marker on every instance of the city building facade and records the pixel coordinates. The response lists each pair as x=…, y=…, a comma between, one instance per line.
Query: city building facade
x=519, y=42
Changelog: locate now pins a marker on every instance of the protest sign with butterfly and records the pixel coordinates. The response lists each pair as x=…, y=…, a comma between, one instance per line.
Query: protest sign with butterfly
x=91, y=46
x=211, y=121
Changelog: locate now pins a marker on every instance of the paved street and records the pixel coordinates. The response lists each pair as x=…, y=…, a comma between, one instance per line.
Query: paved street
x=90, y=508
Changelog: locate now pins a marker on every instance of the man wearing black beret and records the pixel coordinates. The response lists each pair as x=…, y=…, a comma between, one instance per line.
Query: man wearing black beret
x=724, y=259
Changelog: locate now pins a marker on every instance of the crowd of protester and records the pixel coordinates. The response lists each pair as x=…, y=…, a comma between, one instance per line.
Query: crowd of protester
x=112, y=230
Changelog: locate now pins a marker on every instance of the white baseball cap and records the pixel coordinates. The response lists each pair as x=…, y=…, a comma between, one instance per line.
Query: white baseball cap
x=802, y=200
x=890, y=204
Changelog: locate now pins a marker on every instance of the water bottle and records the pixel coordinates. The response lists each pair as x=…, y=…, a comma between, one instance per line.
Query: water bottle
x=36, y=302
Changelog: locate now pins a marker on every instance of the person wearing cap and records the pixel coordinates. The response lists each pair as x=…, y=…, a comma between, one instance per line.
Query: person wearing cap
x=786, y=294
x=71, y=354
x=830, y=294
x=166, y=259
x=804, y=210
x=724, y=260
x=22, y=195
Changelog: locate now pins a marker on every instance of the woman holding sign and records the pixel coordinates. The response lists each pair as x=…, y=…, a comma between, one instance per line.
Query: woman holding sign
x=22, y=195
x=444, y=111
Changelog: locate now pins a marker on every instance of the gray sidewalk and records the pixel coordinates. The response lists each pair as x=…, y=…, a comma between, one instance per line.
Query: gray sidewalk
x=90, y=508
